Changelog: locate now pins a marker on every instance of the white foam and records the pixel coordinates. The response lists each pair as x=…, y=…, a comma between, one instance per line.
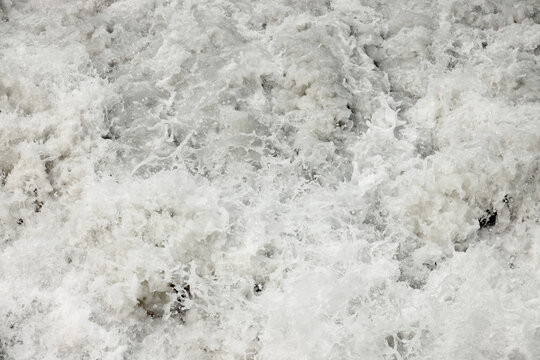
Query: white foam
x=280, y=180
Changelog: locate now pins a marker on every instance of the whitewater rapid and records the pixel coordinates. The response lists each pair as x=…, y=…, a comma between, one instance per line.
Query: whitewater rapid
x=236, y=179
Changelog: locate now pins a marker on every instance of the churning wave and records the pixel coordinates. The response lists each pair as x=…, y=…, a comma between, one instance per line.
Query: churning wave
x=236, y=179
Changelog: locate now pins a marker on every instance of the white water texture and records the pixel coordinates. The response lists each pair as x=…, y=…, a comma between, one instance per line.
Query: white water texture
x=287, y=179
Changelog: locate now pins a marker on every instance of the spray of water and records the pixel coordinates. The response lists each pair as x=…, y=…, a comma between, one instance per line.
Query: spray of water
x=224, y=179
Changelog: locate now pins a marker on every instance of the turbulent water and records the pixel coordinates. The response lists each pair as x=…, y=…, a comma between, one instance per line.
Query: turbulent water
x=288, y=179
